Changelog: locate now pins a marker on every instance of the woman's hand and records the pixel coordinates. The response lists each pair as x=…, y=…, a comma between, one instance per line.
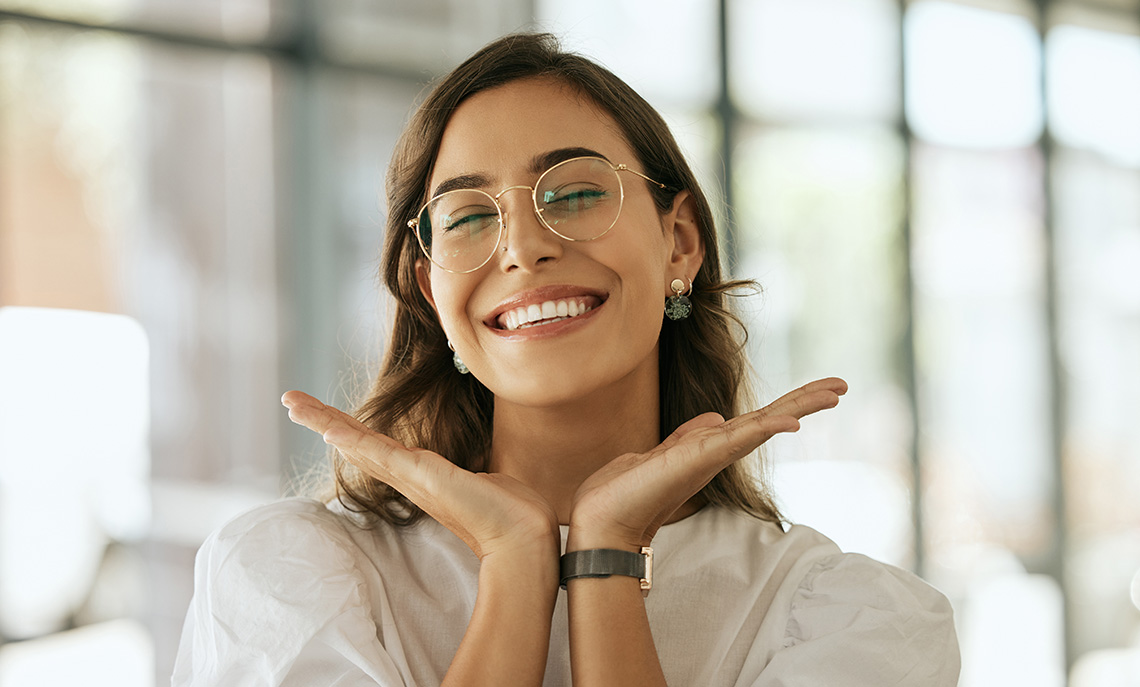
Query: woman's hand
x=490, y=512
x=624, y=503
x=512, y=530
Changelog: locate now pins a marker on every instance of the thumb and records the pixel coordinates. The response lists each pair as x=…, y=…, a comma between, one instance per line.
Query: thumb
x=702, y=420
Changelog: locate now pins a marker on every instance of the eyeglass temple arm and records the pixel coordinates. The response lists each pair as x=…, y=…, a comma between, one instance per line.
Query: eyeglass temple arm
x=623, y=168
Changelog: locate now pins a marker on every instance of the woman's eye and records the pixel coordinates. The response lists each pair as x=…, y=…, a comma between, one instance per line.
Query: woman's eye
x=582, y=197
x=470, y=223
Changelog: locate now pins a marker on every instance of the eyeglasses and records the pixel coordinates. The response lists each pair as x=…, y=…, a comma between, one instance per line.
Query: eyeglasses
x=578, y=199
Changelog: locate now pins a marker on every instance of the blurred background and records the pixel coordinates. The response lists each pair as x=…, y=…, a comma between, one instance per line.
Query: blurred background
x=940, y=199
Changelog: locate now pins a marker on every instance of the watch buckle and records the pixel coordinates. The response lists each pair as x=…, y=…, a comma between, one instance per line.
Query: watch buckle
x=647, y=581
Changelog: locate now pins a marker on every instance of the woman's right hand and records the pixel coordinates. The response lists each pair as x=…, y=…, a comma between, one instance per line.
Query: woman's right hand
x=490, y=512
x=509, y=526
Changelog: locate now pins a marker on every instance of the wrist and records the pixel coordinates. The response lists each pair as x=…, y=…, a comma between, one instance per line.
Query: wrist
x=582, y=537
x=522, y=573
x=520, y=542
x=536, y=555
x=605, y=563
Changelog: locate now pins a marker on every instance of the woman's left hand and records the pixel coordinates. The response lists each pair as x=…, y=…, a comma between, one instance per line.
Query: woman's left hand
x=623, y=504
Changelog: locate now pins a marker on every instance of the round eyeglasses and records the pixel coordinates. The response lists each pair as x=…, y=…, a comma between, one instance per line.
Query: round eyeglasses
x=578, y=199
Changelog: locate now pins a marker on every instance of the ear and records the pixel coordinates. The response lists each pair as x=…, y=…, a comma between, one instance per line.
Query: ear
x=683, y=235
x=423, y=280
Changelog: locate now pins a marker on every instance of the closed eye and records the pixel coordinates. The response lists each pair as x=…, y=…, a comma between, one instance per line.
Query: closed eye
x=574, y=199
x=470, y=222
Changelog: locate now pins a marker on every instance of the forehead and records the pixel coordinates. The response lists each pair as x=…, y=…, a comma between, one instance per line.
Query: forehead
x=498, y=132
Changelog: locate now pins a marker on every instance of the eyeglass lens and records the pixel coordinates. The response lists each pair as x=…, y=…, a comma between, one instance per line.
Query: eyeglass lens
x=578, y=200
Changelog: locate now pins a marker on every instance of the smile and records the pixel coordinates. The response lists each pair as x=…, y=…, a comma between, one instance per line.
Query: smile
x=548, y=312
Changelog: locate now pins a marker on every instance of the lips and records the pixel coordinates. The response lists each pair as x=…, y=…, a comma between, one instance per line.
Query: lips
x=535, y=315
x=544, y=306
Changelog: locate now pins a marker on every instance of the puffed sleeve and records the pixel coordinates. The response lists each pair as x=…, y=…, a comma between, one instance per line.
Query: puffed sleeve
x=857, y=622
x=278, y=601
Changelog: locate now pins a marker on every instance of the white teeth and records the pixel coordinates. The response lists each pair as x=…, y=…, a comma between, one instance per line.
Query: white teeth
x=546, y=313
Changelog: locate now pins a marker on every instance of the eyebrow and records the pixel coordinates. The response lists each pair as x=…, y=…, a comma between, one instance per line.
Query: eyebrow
x=544, y=161
x=538, y=164
x=462, y=181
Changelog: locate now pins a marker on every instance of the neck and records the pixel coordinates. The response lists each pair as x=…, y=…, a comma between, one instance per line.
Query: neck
x=553, y=449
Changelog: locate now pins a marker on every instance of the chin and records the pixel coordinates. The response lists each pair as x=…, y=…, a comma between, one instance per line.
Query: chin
x=546, y=390
x=538, y=394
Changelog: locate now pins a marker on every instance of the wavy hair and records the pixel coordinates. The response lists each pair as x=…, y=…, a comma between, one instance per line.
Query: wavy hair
x=420, y=400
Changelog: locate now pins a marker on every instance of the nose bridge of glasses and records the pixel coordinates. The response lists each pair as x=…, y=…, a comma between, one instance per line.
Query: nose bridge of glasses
x=503, y=209
x=499, y=195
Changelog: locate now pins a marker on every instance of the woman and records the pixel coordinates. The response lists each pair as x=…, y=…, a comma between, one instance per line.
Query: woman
x=536, y=401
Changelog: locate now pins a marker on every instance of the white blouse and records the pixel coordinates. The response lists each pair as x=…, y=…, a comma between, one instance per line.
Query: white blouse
x=298, y=593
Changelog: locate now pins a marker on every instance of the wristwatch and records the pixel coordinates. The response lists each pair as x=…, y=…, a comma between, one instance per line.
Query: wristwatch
x=606, y=562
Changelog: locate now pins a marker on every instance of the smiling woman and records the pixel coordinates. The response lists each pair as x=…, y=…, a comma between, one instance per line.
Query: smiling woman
x=539, y=425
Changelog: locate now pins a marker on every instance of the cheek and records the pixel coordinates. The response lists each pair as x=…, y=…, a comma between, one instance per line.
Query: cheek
x=641, y=303
x=645, y=321
x=646, y=258
x=451, y=298
x=643, y=294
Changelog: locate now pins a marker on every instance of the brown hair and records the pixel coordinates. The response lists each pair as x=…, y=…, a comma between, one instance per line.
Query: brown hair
x=418, y=397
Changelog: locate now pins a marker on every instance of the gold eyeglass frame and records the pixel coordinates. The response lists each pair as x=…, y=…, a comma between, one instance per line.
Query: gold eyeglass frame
x=414, y=223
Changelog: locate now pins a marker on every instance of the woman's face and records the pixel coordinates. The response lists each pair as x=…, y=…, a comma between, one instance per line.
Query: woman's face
x=505, y=137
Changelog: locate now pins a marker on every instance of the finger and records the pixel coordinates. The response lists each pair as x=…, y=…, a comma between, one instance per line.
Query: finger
x=317, y=416
x=300, y=400
x=831, y=384
x=744, y=434
x=414, y=473
x=294, y=397
x=418, y=474
x=835, y=384
x=741, y=435
x=721, y=445
x=807, y=399
x=308, y=411
x=801, y=404
x=705, y=451
x=311, y=413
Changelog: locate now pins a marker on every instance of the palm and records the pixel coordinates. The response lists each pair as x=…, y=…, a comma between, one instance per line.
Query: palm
x=633, y=495
x=488, y=511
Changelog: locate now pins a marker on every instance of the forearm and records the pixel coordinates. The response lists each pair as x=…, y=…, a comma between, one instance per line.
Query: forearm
x=508, y=638
x=610, y=640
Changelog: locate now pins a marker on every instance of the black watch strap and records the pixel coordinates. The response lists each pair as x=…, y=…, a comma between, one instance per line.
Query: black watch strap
x=606, y=562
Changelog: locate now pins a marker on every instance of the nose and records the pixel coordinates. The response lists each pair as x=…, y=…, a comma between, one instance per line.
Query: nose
x=526, y=243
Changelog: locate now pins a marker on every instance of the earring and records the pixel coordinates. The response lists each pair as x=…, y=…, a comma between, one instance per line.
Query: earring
x=678, y=306
x=459, y=364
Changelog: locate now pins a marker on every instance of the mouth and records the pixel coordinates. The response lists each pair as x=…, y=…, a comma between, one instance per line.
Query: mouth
x=544, y=306
x=547, y=312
